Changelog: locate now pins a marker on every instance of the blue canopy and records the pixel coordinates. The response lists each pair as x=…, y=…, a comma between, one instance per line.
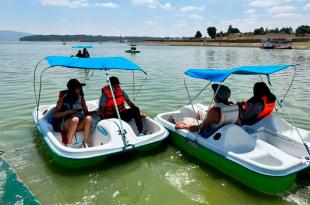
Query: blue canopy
x=96, y=63
x=82, y=46
x=216, y=75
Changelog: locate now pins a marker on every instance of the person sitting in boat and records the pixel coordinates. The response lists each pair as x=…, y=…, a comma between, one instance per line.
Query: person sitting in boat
x=79, y=54
x=71, y=113
x=107, y=108
x=259, y=106
x=85, y=53
x=223, y=112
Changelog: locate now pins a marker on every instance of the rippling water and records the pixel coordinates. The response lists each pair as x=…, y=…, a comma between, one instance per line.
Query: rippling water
x=164, y=177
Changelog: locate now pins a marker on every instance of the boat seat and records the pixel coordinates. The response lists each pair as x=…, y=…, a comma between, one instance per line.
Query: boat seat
x=270, y=122
x=293, y=132
x=267, y=159
x=229, y=138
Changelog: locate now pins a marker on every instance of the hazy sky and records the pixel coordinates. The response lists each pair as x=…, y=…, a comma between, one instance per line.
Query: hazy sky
x=149, y=17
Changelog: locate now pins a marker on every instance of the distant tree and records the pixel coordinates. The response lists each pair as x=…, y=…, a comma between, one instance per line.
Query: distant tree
x=302, y=30
x=212, y=32
x=287, y=30
x=232, y=30
x=259, y=31
x=198, y=34
x=276, y=30
x=220, y=34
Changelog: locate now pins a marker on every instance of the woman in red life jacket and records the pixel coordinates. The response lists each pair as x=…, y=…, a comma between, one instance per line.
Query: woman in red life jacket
x=259, y=106
x=71, y=113
x=107, y=107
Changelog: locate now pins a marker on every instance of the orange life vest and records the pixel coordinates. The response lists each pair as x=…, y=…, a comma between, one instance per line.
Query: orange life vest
x=267, y=108
x=109, y=108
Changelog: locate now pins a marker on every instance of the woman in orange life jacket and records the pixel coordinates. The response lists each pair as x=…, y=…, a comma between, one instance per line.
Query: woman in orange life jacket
x=259, y=106
x=223, y=112
x=71, y=113
x=107, y=108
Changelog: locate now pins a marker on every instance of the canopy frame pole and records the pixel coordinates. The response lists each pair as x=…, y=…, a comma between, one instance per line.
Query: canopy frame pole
x=133, y=85
x=194, y=98
x=261, y=79
x=34, y=80
x=138, y=92
x=122, y=131
x=281, y=104
x=289, y=87
x=39, y=94
x=191, y=102
x=200, y=126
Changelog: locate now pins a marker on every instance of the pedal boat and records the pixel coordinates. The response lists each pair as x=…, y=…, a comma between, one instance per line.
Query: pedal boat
x=133, y=49
x=266, y=156
x=108, y=136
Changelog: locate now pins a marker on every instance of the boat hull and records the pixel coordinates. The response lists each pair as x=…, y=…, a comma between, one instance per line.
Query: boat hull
x=104, y=140
x=129, y=51
x=72, y=163
x=259, y=182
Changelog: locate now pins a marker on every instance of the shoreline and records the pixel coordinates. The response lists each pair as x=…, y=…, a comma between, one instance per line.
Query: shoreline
x=295, y=45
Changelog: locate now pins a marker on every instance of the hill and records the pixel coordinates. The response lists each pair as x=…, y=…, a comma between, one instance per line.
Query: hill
x=6, y=35
x=86, y=38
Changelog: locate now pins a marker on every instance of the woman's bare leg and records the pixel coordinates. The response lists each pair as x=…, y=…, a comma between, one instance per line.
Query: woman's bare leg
x=86, y=126
x=71, y=126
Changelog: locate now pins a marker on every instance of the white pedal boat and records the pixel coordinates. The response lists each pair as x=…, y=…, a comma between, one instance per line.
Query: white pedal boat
x=108, y=136
x=266, y=156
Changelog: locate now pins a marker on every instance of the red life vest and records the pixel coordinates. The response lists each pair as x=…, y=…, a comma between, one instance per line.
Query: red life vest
x=109, y=108
x=267, y=110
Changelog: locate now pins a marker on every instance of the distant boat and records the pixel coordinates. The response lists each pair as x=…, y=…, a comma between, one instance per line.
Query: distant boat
x=63, y=43
x=279, y=43
x=133, y=49
x=78, y=48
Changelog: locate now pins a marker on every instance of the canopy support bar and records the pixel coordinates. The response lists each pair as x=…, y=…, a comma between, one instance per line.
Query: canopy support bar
x=34, y=80
x=39, y=95
x=191, y=102
x=133, y=85
x=281, y=104
x=194, y=98
x=200, y=126
x=122, y=131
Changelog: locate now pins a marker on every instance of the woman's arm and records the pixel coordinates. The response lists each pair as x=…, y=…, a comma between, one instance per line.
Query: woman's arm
x=252, y=111
x=128, y=101
x=83, y=103
x=57, y=113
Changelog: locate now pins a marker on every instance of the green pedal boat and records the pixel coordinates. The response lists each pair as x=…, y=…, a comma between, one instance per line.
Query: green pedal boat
x=266, y=156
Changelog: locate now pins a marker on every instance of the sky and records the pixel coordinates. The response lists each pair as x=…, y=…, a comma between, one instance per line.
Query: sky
x=161, y=18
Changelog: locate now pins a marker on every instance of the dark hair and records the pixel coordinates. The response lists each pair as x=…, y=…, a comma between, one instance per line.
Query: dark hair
x=224, y=101
x=114, y=81
x=72, y=85
x=260, y=89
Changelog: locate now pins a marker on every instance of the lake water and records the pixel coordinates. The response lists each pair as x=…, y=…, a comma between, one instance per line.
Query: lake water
x=166, y=176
